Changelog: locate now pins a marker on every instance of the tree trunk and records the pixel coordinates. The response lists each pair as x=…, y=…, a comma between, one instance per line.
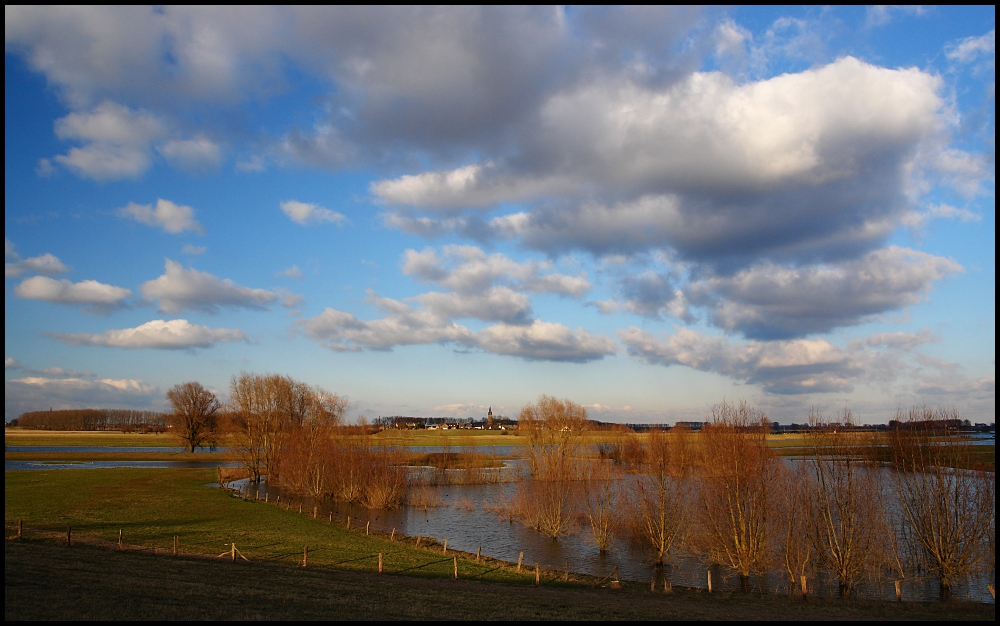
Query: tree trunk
x=744, y=583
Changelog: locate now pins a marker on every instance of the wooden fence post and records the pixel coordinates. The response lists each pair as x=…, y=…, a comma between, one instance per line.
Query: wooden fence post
x=538, y=574
x=479, y=551
x=392, y=537
x=305, y=555
x=519, y=558
x=456, y=568
x=267, y=496
x=367, y=526
x=232, y=551
x=300, y=508
x=445, y=550
x=315, y=510
x=710, y=581
x=348, y=522
x=418, y=540
x=379, y=562
x=119, y=538
x=19, y=528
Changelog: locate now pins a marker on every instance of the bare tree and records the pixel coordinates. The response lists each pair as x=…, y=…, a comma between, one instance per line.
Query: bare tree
x=948, y=508
x=264, y=411
x=308, y=461
x=793, y=500
x=600, y=501
x=552, y=428
x=737, y=480
x=247, y=419
x=195, y=415
x=659, y=495
x=845, y=501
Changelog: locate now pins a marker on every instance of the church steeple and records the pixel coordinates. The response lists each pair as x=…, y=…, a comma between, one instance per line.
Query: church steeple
x=489, y=418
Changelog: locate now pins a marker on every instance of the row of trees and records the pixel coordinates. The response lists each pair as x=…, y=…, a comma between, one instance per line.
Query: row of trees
x=293, y=434
x=92, y=419
x=860, y=506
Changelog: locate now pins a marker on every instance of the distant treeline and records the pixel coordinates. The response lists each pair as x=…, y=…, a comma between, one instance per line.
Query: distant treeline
x=125, y=420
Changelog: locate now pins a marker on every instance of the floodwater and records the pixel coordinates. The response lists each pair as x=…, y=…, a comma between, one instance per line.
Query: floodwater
x=468, y=518
x=47, y=465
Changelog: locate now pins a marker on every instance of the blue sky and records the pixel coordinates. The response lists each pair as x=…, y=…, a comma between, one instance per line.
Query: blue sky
x=434, y=211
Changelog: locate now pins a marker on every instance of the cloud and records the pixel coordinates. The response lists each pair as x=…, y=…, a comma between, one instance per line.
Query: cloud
x=35, y=393
x=800, y=166
x=970, y=48
x=97, y=297
x=402, y=326
x=292, y=272
x=157, y=334
x=497, y=304
x=405, y=325
x=770, y=301
x=780, y=367
x=649, y=293
x=882, y=14
x=172, y=218
x=545, y=341
x=304, y=213
x=467, y=270
x=116, y=141
x=179, y=289
x=194, y=154
x=10, y=363
x=947, y=211
x=47, y=264
x=193, y=250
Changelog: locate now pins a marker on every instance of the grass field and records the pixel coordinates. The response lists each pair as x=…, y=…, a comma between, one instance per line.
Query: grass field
x=152, y=506
x=18, y=437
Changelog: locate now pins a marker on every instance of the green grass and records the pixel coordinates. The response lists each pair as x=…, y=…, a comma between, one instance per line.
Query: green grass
x=151, y=506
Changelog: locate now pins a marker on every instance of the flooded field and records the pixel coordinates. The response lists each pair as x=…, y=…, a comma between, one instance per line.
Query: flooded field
x=472, y=518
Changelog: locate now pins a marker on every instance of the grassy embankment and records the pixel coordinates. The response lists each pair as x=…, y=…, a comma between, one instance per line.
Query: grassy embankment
x=44, y=580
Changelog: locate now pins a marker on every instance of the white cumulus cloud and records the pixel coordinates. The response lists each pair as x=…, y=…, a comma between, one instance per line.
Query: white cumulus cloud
x=157, y=334
x=96, y=296
x=305, y=213
x=169, y=216
x=179, y=289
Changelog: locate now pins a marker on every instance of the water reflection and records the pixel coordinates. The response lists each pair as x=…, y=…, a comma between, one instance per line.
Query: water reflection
x=469, y=519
